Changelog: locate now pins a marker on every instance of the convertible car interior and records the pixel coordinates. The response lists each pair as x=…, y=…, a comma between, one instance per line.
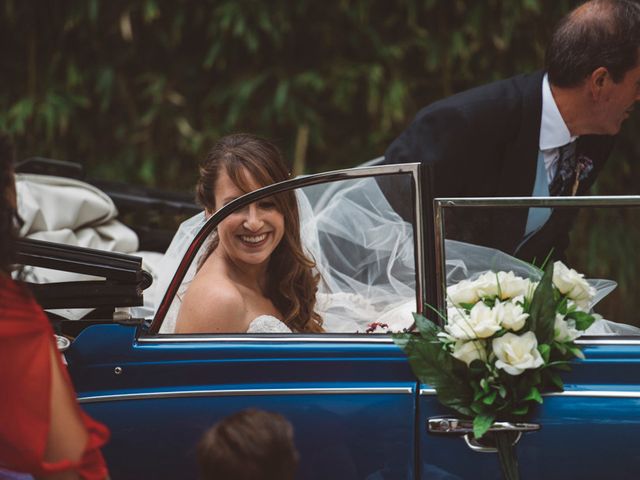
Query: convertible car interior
x=94, y=258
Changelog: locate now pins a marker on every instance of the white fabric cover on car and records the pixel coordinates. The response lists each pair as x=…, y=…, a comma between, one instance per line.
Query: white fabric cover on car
x=69, y=211
x=72, y=212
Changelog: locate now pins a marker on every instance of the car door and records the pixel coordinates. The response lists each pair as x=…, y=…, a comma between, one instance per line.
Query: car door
x=590, y=429
x=350, y=395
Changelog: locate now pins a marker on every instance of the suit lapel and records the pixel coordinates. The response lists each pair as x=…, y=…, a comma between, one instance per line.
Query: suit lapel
x=520, y=163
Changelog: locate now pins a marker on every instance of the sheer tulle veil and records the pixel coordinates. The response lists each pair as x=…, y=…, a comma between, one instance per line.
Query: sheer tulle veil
x=363, y=251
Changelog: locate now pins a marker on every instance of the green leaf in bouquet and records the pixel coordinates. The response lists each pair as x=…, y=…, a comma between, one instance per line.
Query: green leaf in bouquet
x=481, y=424
x=498, y=284
x=426, y=327
x=560, y=347
x=561, y=365
x=545, y=351
x=577, y=352
x=402, y=339
x=542, y=314
x=534, y=394
x=543, y=266
x=583, y=320
x=477, y=408
x=555, y=379
x=502, y=391
x=563, y=306
x=436, y=367
x=419, y=316
x=484, y=384
x=521, y=384
x=489, y=399
x=489, y=301
x=536, y=376
x=478, y=395
x=455, y=396
x=521, y=410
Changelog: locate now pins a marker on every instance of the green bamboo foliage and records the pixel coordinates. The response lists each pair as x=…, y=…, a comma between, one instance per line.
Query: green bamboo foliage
x=138, y=90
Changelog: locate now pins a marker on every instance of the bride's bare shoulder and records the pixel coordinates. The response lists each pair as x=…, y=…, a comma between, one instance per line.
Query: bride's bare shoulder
x=212, y=304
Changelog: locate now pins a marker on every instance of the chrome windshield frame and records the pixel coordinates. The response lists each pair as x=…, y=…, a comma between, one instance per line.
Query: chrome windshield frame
x=440, y=204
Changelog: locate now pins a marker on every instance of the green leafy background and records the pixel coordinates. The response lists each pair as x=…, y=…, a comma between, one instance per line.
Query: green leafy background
x=137, y=91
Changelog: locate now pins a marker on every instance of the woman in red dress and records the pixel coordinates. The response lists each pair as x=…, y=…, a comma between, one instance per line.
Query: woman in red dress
x=43, y=431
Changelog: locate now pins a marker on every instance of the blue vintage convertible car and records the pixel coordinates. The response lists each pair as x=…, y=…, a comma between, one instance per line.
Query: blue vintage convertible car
x=357, y=409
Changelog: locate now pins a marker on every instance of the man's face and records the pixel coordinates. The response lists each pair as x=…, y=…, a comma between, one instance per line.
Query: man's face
x=617, y=101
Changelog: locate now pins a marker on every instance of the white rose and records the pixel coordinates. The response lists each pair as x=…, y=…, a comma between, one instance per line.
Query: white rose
x=512, y=286
x=516, y=353
x=573, y=285
x=510, y=314
x=565, y=330
x=481, y=322
x=470, y=351
x=487, y=285
x=463, y=292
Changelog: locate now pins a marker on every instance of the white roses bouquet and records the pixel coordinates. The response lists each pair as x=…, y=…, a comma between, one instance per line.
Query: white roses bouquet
x=504, y=341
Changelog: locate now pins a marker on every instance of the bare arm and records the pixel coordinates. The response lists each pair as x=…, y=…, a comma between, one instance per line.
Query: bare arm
x=68, y=436
x=211, y=308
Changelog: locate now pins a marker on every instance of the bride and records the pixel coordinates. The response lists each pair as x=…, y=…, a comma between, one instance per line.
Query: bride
x=253, y=275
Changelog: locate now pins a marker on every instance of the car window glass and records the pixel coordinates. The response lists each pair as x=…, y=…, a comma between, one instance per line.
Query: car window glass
x=358, y=245
x=602, y=246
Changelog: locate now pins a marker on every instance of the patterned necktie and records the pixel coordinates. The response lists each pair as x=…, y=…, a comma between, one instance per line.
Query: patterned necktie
x=565, y=172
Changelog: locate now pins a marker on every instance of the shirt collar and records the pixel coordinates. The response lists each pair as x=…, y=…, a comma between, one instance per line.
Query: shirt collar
x=554, y=132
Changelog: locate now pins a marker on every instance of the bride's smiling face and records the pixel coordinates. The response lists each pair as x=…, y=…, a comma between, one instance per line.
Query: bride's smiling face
x=251, y=234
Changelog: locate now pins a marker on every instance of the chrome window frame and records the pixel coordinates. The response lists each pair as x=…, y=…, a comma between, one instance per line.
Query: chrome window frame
x=414, y=169
x=440, y=204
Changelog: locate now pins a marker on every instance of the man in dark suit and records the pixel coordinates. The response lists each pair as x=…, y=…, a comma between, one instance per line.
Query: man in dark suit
x=539, y=134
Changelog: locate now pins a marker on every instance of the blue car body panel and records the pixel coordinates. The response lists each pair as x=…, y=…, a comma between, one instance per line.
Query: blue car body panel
x=352, y=406
x=355, y=407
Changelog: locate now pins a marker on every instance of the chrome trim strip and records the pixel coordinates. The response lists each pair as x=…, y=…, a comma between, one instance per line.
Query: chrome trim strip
x=567, y=393
x=321, y=338
x=248, y=392
x=613, y=341
x=594, y=393
x=427, y=392
x=596, y=201
x=288, y=338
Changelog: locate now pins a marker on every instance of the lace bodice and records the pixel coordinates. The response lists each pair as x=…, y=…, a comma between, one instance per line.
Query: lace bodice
x=267, y=324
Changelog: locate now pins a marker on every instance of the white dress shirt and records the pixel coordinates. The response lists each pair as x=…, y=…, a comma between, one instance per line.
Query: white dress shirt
x=554, y=132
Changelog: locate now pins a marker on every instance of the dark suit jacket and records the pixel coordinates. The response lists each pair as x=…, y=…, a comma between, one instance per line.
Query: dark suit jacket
x=484, y=142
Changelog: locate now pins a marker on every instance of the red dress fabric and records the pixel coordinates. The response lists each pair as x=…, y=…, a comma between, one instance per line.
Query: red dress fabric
x=25, y=388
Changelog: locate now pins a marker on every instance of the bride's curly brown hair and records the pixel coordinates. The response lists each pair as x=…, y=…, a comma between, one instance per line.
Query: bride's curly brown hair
x=292, y=283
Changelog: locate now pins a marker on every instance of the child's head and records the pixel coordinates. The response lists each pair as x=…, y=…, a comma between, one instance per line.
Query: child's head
x=251, y=444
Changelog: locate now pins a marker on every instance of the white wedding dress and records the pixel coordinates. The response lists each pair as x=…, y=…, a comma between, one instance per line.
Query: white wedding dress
x=267, y=324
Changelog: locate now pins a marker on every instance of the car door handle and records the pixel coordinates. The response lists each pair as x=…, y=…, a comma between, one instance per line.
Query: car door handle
x=464, y=427
x=458, y=426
